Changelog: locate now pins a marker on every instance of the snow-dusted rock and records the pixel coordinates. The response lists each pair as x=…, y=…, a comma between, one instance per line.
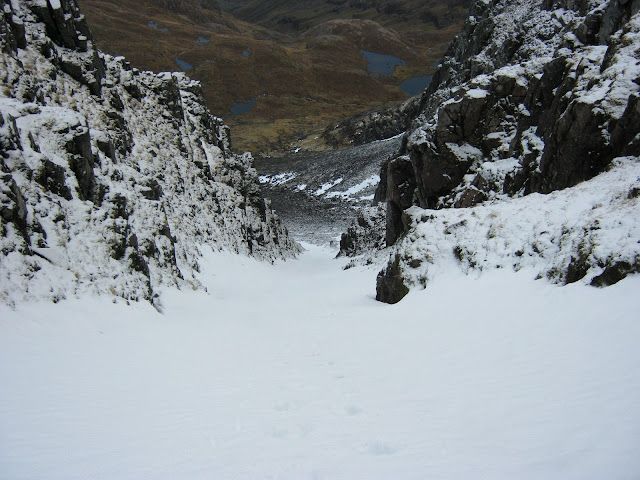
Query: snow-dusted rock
x=534, y=96
x=365, y=233
x=587, y=233
x=111, y=179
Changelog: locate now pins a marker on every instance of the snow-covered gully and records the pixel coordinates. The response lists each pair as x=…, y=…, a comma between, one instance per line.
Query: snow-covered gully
x=293, y=371
x=135, y=345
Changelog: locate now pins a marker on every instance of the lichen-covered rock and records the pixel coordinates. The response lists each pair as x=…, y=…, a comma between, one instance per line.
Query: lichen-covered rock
x=113, y=180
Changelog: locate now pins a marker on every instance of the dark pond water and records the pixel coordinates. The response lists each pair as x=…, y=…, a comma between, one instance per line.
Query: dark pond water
x=380, y=64
x=415, y=85
x=240, y=108
x=156, y=26
x=184, y=65
x=202, y=40
x=246, y=53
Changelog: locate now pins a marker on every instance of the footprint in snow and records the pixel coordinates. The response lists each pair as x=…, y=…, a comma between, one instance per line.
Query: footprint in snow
x=353, y=410
x=279, y=433
x=378, y=447
x=282, y=407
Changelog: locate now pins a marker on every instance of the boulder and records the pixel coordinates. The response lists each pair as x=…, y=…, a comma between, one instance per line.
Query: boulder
x=390, y=285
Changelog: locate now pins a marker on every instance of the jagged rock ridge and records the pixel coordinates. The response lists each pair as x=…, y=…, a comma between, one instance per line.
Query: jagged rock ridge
x=534, y=96
x=112, y=179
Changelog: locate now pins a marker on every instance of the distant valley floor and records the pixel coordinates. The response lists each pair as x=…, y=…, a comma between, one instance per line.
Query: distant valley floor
x=273, y=83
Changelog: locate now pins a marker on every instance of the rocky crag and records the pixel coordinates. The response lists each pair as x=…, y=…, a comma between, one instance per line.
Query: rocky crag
x=373, y=125
x=112, y=180
x=525, y=150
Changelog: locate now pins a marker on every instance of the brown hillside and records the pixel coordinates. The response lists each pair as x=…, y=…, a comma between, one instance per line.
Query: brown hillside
x=300, y=80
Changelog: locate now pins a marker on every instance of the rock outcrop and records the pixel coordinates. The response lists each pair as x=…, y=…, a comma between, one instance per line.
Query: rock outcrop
x=534, y=96
x=365, y=233
x=112, y=180
x=371, y=126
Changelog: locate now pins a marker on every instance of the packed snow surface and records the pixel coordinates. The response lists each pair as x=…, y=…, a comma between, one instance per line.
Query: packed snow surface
x=294, y=371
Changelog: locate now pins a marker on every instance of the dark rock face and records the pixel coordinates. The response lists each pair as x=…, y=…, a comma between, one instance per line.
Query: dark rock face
x=12, y=31
x=400, y=195
x=53, y=178
x=390, y=284
x=169, y=94
x=153, y=190
x=616, y=14
x=625, y=137
x=522, y=103
x=578, y=149
x=82, y=160
x=460, y=120
x=13, y=208
x=470, y=197
x=65, y=24
x=616, y=272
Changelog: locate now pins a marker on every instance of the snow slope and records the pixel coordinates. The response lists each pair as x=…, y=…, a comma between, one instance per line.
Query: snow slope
x=300, y=373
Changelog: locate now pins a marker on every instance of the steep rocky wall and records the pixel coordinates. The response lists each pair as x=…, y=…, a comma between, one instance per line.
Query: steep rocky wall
x=112, y=180
x=533, y=96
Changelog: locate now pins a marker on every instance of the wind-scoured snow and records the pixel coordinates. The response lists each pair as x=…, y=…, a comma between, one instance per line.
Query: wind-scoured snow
x=294, y=371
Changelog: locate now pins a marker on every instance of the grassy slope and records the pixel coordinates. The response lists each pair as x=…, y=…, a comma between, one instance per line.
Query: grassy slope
x=303, y=80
